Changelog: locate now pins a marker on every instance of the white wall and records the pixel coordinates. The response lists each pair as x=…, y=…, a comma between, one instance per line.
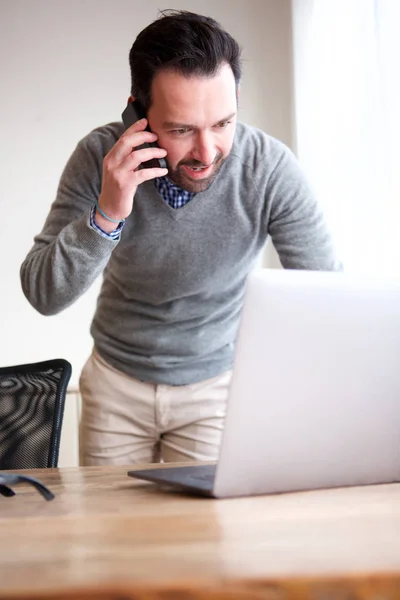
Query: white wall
x=64, y=71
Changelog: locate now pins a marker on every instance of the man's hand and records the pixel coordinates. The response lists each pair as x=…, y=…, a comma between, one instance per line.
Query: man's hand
x=121, y=173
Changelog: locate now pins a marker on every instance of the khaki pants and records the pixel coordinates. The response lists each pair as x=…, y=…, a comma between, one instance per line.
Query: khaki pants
x=127, y=421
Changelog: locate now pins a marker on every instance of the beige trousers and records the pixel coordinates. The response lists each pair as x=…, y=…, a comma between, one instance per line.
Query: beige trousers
x=127, y=421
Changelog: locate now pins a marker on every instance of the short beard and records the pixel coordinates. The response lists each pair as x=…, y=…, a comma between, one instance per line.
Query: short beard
x=179, y=177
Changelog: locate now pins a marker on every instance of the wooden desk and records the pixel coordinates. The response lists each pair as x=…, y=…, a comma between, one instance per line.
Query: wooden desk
x=108, y=536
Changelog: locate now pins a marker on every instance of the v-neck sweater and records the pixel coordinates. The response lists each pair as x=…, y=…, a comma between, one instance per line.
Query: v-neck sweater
x=173, y=285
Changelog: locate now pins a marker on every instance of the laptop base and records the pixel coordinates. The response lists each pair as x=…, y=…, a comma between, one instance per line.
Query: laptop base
x=196, y=478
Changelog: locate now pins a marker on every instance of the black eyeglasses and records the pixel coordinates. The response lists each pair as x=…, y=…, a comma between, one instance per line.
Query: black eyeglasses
x=9, y=479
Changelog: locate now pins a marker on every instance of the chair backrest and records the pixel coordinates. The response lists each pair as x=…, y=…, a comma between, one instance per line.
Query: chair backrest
x=32, y=401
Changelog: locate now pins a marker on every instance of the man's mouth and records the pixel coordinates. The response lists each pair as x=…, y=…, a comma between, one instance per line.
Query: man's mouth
x=198, y=172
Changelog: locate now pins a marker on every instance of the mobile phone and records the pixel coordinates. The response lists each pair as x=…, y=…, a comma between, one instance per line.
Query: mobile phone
x=132, y=113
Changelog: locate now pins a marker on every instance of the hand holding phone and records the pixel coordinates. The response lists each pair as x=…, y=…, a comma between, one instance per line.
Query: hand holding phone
x=123, y=169
x=133, y=113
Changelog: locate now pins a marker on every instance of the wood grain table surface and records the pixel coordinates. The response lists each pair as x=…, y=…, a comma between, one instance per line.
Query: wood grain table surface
x=108, y=536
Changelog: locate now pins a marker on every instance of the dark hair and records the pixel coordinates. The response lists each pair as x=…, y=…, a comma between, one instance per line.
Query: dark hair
x=186, y=42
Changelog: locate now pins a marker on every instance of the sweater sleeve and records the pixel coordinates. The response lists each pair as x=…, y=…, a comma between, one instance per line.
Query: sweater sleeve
x=69, y=254
x=296, y=222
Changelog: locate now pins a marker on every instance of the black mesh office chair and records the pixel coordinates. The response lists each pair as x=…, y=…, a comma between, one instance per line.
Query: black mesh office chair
x=31, y=412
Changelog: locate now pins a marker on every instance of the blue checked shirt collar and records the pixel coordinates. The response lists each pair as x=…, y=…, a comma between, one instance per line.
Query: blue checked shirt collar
x=171, y=193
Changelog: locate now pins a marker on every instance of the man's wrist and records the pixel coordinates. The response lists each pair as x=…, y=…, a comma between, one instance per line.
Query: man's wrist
x=105, y=224
x=95, y=224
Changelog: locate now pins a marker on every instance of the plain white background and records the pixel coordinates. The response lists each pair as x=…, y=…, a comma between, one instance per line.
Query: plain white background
x=347, y=98
x=64, y=71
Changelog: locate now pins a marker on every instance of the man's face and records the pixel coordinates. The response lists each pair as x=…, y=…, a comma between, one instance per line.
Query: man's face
x=194, y=118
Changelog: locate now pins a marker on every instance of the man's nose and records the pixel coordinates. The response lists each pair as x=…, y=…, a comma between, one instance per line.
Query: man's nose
x=204, y=150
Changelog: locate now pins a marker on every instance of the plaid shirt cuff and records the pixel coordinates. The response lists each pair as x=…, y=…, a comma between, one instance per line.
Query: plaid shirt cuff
x=113, y=235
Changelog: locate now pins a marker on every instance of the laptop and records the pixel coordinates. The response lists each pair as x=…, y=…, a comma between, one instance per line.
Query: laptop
x=314, y=400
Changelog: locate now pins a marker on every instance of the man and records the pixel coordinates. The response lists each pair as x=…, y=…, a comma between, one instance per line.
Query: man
x=175, y=246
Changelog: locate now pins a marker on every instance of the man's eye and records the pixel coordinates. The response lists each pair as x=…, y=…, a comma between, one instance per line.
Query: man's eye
x=181, y=131
x=223, y=124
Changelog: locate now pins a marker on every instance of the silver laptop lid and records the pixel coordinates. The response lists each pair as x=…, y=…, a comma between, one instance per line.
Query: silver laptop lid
x=315, y=394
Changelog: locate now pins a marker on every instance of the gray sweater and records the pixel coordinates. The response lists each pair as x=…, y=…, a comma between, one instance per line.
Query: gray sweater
x=173, y=285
